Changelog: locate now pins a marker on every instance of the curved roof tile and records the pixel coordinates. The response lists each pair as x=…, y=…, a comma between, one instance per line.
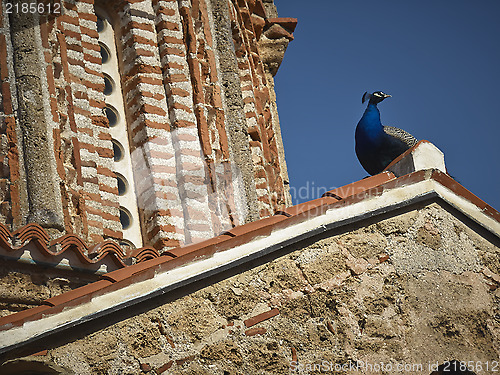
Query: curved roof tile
x=107, y=253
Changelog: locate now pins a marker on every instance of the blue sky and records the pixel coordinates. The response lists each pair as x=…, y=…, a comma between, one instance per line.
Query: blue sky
x=440, y=61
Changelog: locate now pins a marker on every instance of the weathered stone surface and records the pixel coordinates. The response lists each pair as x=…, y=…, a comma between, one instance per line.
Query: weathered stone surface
x=195, y=318
x=24, y=286
x=408, y=309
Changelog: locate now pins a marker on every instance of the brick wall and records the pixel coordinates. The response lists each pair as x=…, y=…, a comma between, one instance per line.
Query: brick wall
x=194, y=176
x=247, y=20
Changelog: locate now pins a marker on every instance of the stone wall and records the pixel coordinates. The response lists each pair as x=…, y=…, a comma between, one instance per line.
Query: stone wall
x=415, y=288
x=24, y=286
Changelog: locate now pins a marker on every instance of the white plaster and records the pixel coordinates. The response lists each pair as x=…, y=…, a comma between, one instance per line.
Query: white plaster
x=425, y=156
x=428, y=156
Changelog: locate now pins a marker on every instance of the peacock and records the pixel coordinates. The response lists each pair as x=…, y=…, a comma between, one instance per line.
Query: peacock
x=378, y=145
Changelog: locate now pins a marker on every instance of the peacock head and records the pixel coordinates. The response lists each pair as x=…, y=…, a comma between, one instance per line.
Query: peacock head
x=374, y=98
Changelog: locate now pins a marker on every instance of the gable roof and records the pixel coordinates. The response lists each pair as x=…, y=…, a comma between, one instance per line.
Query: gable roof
x=182, y=266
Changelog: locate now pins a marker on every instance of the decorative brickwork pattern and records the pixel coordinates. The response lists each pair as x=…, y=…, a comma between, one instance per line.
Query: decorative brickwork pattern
x=188, y=184
x=248, y=20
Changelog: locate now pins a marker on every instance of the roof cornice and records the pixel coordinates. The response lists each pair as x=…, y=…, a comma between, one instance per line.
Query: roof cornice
x=183, y=266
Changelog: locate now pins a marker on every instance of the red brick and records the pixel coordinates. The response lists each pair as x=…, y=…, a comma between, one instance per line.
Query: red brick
x=97, y=103
x=163, y=228
x=160, y=155
x=137, y=39
x=88, y=16
x=183, y=107
x=163, y=169
x=174, y=65
x=7, y=103
x=261, y=317
x=102, y=214
x=132, y=82
x=105, y=171
x=165, y=367
x=255, y=331
x=150, y=124
x=144, y=52
x=105, y=136
x=177, y=78
x=93, y=72
x=166, y=11
x=81, y=95
x=108, y=189
x=172, y=51
x=184, y=124
x=171, y=40
x=186, y=137
x=92, y=180
x=4, y=74
x=136, y=25
x=65, y=18
x=78, y=162
x=163, y=243
x=91, y=46
x=152, y=109
x=72, y=34
x=159, y=97
x=168, y=25
x=91, y=58
x=89, y=32
x=104, y=152
x=89, y=147
x=163, y=195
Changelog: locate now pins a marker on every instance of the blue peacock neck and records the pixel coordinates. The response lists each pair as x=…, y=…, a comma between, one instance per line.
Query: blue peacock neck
x=370, y=124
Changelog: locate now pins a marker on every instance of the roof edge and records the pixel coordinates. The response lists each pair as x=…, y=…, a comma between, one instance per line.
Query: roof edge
x=167, y=273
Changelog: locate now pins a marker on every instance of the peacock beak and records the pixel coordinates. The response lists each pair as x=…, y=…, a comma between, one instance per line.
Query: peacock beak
x=387, y=96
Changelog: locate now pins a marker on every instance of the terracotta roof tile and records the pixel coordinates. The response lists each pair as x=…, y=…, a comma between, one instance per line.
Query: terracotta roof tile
x=247, y=232
x=343, y=196
x=308, y=206
x=359, y=186
x=254, y=225
x=78, y=295
x=32, y=233
x=145, y=253
x=124, y=273
x=18, y=319
x=95, y=255
x=446, y=180
x=193, y=248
